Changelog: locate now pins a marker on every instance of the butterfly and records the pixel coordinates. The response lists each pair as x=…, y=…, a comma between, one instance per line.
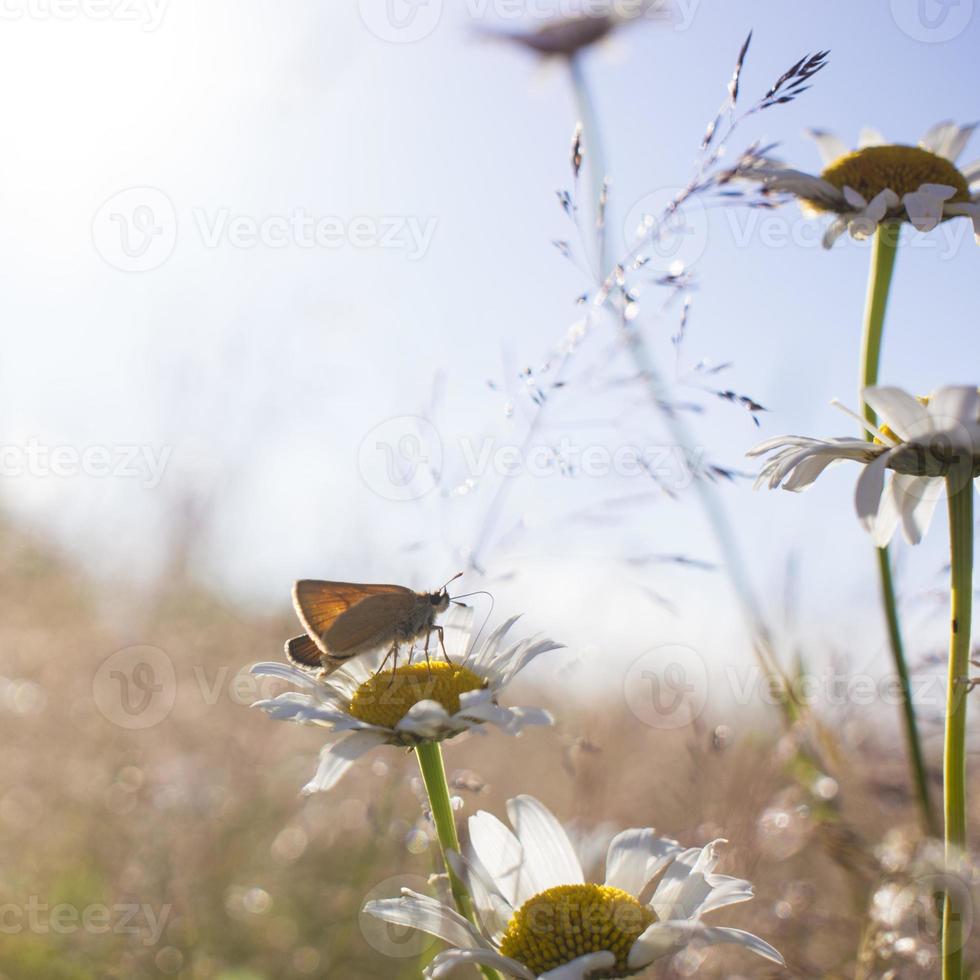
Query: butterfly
x=344, y=620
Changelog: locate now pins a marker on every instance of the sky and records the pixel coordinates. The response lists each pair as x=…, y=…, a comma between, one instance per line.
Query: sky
x=244, y=249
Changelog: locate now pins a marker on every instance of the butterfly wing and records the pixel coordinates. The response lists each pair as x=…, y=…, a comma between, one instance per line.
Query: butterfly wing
x=303, y=652
x=321, y=607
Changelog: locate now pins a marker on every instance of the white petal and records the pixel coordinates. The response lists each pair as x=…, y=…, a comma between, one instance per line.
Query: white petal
x=510, y=667
x=635, y=857
x=971, y=211
x=285, y=672
x=854, y=199
x=882, y=525
x=337, y=757
x=446, y=963
x=835, y=229
x=493, y=910
x=916, y=498
x=953, y=406
x=831, y=147
x=662, y=938
x=725, y=891
x=293, y=706
x=498, y=850
x=869, y=136
x=456, y=631
x=549, y=858
x=425, y=913
x=684, y=888
x=925, y=206
x=971, y=172
x=867, y=493
x=947, y=139
x=511, y=721
x=904, y=414
x=582, y=967
x=425, y=719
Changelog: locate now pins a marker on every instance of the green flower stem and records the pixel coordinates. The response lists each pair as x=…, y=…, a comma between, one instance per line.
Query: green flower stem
x=433, y=770
x=954, y=766
x=883, y=255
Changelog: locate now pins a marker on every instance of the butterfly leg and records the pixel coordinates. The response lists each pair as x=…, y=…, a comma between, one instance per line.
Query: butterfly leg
x=442, y=642
x=428, y=663
x=392, y=653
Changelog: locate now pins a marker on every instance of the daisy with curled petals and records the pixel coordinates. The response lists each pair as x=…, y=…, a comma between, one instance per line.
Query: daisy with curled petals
x=881, y=182
x=537, y=917
x=412, y=705
x=923, y=442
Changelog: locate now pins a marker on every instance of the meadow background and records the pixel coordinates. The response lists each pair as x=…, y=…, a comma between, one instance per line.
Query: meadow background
x=240, y=385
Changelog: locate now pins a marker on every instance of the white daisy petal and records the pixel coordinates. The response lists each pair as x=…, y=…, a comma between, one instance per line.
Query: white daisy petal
x=493, y=910
x=582, y=967
x=285, y=672
x=883, y=523
x=955, y=406
x=971, y=211
x=337, y=757
x=425, y=913
x=869, y=136
x=499, y=851
x=725, y=891
x=925, y=206
x=916, y=498
x=425, y=719
x=867, y=493
x=662, y=938
x=635, y=857
x=835, y=229
x=903, y=414
x=831, y=147
x=446, y=963
x=549, y=858
x=684, y=888
x=947, y=139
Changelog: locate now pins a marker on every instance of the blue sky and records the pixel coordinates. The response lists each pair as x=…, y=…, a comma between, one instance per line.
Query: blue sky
x=256, y=368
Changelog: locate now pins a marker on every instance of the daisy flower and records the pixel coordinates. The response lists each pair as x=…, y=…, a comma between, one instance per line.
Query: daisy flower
x=413, y=704
x=921, y=441
x=537, y=916
x=881, y=181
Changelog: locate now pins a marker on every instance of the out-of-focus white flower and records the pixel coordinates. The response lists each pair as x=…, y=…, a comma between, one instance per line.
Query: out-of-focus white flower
x=882, y=182
x=922, y=441
x=538, y=918
x=414, y=703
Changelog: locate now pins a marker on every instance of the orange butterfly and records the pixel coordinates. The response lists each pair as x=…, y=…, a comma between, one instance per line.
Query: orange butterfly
x=344, y=620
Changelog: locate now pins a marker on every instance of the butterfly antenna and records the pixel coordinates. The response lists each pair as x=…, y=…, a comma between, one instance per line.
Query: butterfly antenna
x=486, y=619
x=453, y=579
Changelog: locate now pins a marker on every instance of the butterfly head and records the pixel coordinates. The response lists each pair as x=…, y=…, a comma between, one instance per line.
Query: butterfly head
x=439, y=600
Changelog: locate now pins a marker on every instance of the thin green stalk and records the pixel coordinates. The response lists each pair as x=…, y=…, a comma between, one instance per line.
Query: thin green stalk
x=433, y=770
x=885, y=248
x=954, y=764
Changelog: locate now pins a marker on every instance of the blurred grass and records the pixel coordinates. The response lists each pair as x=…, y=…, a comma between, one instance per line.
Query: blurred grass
x=201, y=815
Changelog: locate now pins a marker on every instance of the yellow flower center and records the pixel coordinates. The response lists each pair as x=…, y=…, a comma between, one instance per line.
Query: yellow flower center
x=557, y=925
x=902, y=169
x=387, y=697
